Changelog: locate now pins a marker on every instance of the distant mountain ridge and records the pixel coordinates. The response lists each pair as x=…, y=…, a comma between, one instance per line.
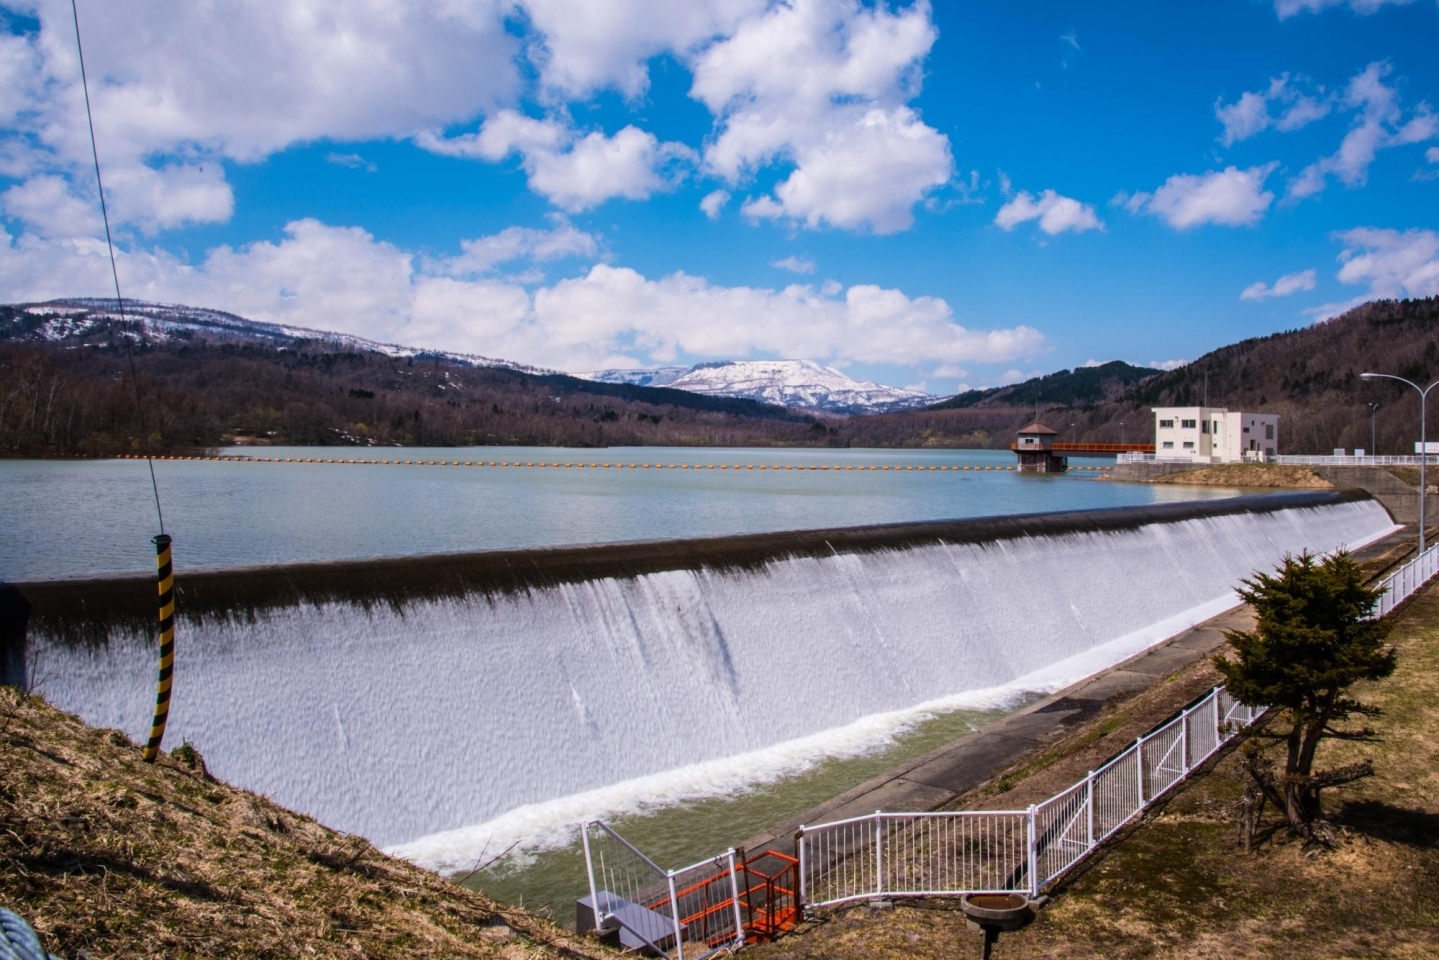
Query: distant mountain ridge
x=788, y=383
x=785, y=383
x=1078, y=387
x=84, y=318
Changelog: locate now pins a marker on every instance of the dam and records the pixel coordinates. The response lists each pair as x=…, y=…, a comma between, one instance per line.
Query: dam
x=445, y=706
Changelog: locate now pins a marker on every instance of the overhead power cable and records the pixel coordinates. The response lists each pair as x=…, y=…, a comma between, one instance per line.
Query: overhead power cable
x=114, y=270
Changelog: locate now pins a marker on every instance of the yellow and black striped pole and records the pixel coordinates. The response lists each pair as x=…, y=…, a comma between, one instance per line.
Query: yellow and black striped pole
x=166, y=575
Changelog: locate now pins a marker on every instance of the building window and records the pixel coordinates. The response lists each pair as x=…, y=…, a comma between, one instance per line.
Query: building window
x=1204, y=427
x=1246, y=429
x=1216, y=426
x=1169, y=444
x=1166, y=424
x=1269, y=431
x=1189, y=444
x=1187, y=424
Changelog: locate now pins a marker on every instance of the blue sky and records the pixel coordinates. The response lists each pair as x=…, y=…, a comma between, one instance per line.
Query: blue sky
x=946, y=195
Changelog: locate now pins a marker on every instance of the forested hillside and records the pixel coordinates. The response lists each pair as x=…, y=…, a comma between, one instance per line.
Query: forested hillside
x=56, y=401
x=62, y=398
x=1309, y=376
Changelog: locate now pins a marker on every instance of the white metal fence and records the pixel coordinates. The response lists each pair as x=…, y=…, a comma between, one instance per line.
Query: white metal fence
x=1408, y=578
x=1369, y=460
x=701, y=909
x=1009, y=851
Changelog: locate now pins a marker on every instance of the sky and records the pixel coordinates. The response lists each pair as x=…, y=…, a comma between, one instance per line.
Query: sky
x=933, y=195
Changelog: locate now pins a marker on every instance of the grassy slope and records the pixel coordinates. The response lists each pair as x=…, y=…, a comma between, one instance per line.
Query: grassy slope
x=110, y=857
x=1178, y=885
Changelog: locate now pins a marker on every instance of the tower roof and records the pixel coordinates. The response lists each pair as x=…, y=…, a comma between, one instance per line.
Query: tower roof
x=1038, y=428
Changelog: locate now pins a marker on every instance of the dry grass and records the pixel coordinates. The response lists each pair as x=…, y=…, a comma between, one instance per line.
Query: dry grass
x=1250, y=475
x=111, y=857
x=1178, y=885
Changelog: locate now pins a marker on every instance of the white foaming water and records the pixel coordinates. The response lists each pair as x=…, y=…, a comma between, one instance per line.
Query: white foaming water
x=523, y=714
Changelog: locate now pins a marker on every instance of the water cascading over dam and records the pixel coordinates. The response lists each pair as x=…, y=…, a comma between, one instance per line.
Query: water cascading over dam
x=418, y=698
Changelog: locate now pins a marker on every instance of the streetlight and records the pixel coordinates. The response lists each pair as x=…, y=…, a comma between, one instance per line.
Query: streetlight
x=1071, y=433
x=1121, y=433
x=1373, y=430
x=1423, y=441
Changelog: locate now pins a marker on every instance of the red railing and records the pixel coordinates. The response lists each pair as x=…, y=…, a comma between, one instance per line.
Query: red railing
x=1092, y=447
x=768, y=905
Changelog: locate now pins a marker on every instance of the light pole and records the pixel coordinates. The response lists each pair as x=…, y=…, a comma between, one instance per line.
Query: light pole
x=1121, y=433
x=1374, y=430
x=1072, y=433
x=1423, y=441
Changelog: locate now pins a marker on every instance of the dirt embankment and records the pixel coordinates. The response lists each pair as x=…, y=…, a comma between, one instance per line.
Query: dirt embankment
x=1250, y=475
x=110, y=857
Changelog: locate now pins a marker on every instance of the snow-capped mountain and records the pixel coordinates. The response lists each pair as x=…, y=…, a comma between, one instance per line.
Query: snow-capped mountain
x=789, y=383
x=85, y=318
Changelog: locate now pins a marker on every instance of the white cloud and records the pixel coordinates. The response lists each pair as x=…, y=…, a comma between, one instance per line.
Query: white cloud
x=1055, y=213
x=587, y=46
x=1249, y=115
x=179, y=87
x=824, y=85
x=1290, y=8
x=573, y=172
x=714, y=202
x=1168, y=364
x=1432, y=154
x=482, y=254
x=342, y=278
x=48, y=206
x=1093, y=363
x=794, y=264
x=1283, y=287
x=351, y=160
x=1231, y=197
x=1394, y=264
x=1379, y=125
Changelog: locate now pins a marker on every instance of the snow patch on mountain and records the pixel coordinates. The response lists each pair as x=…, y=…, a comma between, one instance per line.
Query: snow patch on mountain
x=787, y=383
x=78, y=317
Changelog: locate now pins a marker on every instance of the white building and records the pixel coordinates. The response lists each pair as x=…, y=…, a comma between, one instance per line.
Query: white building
x=1214, y=434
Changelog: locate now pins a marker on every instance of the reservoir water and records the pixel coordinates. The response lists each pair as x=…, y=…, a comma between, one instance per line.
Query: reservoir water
x=75, y=518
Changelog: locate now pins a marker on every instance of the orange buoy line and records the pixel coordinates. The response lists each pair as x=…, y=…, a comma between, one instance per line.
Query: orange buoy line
x=835, y=468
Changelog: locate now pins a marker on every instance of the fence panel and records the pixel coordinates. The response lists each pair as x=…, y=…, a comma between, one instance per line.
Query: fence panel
x=705, y=900
x=1063, y=831
x=1116, y=793
x=839, y=861
x=630, y=890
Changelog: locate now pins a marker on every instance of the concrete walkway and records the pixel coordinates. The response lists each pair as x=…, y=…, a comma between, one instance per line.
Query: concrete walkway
x=942, y=776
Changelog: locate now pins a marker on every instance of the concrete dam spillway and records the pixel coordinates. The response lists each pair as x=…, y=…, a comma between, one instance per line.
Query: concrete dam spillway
x=447, y=705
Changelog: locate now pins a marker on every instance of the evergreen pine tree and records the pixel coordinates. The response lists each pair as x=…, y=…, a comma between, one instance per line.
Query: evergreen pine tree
x=1315, y=636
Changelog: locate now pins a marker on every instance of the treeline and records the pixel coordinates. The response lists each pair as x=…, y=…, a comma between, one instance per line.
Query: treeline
x=78, y=397
x=58, y=399
x=1309, y=376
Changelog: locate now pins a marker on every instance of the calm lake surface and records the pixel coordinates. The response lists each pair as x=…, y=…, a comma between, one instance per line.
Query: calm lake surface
x=83, y=518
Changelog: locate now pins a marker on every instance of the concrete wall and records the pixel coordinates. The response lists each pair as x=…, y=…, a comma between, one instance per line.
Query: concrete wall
x=1398, y=497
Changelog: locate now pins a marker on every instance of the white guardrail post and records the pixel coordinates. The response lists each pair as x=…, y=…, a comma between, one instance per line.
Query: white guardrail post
x=1089, y=802
x=1139, y=760
x=1033, y=863
x=675, y=915
x=878, y=855
x=734, y=891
